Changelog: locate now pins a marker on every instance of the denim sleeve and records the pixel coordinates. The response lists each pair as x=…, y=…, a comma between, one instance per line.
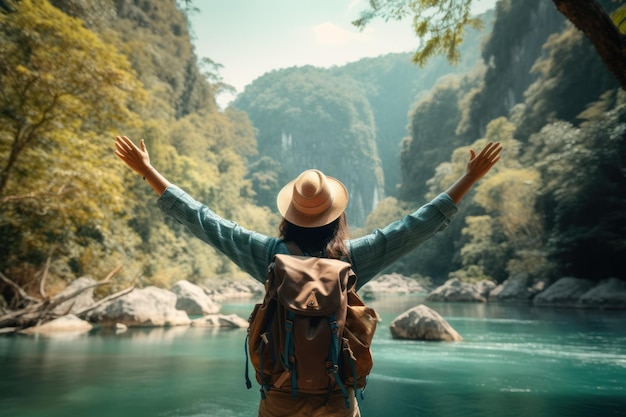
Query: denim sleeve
x=250, y=251
x=372, y=253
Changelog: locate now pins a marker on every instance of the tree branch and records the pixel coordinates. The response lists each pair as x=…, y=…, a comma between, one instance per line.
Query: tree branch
x=589, y=17
x=44, y=275
x=42, y=311
x=20, y=291
x=97, y=304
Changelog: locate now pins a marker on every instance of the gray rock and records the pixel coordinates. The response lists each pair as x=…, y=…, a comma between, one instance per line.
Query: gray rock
x=391, y=284
x=423, y=323
x=484, y=287
x=146, y=307
x=563, y=293
x=610, y=293
x=192, y=299
x=514, y=289
x=83, y=300
x=455, y=290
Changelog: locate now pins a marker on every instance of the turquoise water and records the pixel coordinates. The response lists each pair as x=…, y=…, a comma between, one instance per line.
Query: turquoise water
x=514, y=361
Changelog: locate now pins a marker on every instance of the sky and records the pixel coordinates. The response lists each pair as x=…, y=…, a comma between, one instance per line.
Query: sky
x=252, y=37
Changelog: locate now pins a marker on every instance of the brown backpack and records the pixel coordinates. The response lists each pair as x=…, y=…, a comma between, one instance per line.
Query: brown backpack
x=312, y=333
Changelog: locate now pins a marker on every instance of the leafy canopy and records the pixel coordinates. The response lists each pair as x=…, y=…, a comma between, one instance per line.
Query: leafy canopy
x=440, y=24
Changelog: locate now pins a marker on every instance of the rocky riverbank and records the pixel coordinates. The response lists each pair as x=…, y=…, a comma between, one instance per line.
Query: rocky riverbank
x=184, y=304
x=565, y=292
x=188, y=304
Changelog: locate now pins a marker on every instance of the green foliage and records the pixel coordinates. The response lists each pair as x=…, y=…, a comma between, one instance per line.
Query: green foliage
x=439, y=24
x=63, y=90
x=618, y=16
x=66, y=91
x=584, y=197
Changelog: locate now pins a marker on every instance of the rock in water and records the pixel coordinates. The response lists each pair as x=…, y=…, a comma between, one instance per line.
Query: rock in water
x=192, y=299
x=423, y=323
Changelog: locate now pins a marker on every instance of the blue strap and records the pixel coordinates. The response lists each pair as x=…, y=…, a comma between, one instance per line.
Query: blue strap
x=245, y=348
x=333, y=357
x=290, y=352
x=362, y=391
x=288, y=339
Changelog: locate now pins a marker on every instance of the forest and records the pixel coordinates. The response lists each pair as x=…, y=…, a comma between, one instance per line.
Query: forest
x=75, y=74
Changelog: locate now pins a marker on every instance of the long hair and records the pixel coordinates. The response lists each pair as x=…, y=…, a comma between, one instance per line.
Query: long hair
x=330, y=238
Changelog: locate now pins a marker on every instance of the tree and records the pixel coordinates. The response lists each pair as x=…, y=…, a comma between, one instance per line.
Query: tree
x=58, y=80
x=63, y=91
x=441, y=23
x=589, y=17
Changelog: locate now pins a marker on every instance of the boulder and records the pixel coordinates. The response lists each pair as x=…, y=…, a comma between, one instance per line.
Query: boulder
x=484, y=287
x=69, y=323
x=563, y=293
x=220, y=320
x=193, y=300
x=455, y=290
x=81, y=301
x=422, y=323
x=391, y=284
x=610, y=293
x=222, y=290
x=146, y=307
x=514, y=289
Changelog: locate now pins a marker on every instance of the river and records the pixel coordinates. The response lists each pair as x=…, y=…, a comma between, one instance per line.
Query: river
x=515, y=360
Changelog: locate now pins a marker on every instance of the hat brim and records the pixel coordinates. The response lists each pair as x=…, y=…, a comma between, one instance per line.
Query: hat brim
x=292, y=215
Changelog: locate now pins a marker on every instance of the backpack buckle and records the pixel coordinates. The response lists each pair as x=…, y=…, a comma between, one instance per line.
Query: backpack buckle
x=332, y=369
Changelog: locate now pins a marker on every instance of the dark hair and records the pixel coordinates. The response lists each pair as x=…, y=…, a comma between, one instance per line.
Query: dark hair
x=330, y=238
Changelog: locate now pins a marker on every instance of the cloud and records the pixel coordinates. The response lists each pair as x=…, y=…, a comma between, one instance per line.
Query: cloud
x=329, y=33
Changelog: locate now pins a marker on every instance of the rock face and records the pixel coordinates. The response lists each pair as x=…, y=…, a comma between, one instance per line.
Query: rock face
x=455, y=290
x=422, y=323
x=146, y=307
x=564, y=293
x=193, y=300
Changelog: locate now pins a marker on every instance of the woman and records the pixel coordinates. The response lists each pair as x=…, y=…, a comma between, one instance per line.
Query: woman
x=313, y=216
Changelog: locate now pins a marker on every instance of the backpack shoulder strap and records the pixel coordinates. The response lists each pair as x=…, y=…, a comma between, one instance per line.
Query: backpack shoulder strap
x=294, y=249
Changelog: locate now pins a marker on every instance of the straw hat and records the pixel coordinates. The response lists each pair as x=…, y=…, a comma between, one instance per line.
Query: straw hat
x=312, y=199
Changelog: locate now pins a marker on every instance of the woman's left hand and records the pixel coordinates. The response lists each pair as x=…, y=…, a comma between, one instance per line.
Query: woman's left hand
x=135, y=157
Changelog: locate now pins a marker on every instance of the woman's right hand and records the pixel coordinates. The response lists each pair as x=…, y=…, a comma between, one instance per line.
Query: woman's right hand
x=135, y=157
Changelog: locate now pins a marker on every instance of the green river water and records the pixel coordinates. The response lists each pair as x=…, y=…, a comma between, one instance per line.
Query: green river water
x=514, y=361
